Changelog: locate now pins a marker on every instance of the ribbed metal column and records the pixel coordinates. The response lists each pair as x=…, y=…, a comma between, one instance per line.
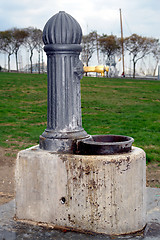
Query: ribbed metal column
x=62, y=46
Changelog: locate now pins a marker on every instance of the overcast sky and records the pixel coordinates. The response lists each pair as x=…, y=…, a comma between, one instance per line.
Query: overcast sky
x=139, y=16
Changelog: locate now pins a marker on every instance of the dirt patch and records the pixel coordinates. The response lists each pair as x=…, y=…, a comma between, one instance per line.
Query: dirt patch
x=7, y=169
x=153, y=175
x=7, y=166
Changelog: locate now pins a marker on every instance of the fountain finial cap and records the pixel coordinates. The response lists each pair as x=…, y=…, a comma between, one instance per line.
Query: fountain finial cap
x=62, y=28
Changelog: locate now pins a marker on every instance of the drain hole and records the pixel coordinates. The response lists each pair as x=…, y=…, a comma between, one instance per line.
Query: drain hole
x=63, y=200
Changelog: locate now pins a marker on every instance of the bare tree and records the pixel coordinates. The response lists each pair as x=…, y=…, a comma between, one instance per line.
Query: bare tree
x=109, y=45
x=88, y=46
x=156, y=55
x=6, y=44
x=19, y=36
x=31, y=41
x=39, y=47
x=139, y=47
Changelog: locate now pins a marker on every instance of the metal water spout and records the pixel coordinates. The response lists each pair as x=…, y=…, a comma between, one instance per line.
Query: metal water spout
x=62, y=36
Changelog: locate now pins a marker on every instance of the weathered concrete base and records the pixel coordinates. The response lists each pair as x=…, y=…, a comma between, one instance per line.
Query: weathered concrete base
x=103, y=194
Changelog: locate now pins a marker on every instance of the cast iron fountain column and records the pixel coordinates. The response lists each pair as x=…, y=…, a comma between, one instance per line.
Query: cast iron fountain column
x=62, y=37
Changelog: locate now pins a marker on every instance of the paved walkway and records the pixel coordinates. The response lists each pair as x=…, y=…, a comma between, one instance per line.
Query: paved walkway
x=11, y=230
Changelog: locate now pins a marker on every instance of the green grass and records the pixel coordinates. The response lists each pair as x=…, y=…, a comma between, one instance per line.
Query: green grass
x=23, y=108
x=109, y=106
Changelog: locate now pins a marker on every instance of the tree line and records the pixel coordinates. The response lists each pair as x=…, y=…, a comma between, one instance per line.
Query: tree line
x=13, y=39
x=110, y=45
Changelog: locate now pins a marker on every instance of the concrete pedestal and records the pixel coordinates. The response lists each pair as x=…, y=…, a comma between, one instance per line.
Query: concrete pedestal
x=103, y=193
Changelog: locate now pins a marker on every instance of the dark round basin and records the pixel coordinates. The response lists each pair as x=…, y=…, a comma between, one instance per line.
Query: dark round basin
x=105, y=144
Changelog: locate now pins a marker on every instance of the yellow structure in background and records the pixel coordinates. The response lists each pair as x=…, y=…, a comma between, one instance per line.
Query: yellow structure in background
x=98, y=69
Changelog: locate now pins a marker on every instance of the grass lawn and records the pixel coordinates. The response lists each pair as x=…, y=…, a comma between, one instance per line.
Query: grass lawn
x=109, y=106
